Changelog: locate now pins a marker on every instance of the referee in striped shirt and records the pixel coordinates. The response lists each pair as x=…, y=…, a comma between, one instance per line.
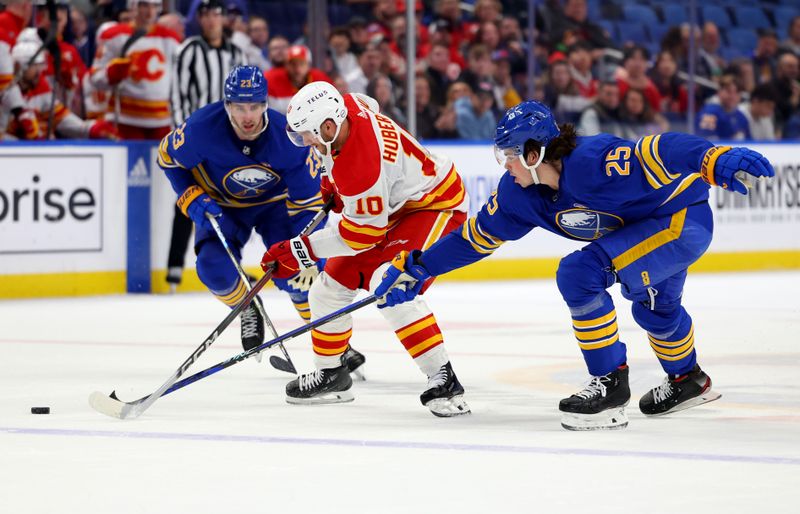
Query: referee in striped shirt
x=203, y=63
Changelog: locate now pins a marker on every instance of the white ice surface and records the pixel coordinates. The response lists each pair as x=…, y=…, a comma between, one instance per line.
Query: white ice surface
x=230, y=444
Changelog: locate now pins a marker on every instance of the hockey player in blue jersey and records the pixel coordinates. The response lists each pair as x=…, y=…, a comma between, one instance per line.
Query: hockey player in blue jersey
x=231, y=159
x=643, y=207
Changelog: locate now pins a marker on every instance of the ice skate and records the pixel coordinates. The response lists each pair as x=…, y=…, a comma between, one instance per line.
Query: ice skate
x=252, y=325
x=354, y=360
x=330, y=385
x=678, y=393
x=600, y=405
x=445, y=395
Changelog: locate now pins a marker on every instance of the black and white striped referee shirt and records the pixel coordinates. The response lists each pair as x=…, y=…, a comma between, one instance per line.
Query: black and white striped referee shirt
x=200, y=74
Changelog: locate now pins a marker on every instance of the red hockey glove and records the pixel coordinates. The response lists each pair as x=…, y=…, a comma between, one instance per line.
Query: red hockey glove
x=118, y=70
x=28, y=125
x=328, y=191
x=103, y=129
x=288, y=257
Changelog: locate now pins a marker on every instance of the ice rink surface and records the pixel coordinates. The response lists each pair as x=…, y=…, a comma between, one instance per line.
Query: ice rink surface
x=230, y=444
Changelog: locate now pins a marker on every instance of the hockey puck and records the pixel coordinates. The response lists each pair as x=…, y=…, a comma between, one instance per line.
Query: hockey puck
x=40, y=410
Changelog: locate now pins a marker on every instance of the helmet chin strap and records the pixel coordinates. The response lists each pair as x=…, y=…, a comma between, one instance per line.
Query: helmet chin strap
x=328, y=144
x=532, y=168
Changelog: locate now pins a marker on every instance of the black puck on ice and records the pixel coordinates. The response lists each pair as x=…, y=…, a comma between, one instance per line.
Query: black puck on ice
x=40, y=410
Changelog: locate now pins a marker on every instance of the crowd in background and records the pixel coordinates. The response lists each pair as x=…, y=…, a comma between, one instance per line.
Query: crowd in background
x=472, y=64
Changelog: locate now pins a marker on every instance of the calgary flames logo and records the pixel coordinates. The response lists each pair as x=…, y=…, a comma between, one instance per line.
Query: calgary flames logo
x=141, y=67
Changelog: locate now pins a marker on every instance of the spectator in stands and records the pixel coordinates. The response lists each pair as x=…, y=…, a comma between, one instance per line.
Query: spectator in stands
x=369, y=66
x=277, y=51
x=674, y=99
x=382, y=90
x=474, y=116
x=792, y=42
x=563, y=95
x=441, y=32
x=709, y=63
x=488, y=34
x=427, y=112
x=359, y=37
x=742, y=68
x=638, y=116
x=82, y=38
x=633, y=74
x=488, y=11
x=603, y=114
x=447, y=120
x=398, y=42
x=575, y=23
x=723, y=120
x=511, y=40
x=253, y=41
x=480, y=67
x=344, y=61
x=579, y=58
x=392, y=65
x=765, y=55
x=449, y=11
x=787, y=87
x=423, y=37
x=440, y=70
x=506, y=94
x=286, y=81
x=383, y=11
x=760, y=112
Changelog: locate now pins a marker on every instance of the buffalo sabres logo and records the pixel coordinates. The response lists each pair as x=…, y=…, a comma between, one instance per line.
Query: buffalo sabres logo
x=249, y=181
x=587, y=224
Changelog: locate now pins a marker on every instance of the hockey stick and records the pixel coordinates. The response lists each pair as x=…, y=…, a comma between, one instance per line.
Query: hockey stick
x=283, y=365
x=114, y=407
x=111, y=406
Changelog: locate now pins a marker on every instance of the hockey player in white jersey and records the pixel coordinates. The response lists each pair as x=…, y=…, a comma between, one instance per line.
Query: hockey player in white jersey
x=393, y=195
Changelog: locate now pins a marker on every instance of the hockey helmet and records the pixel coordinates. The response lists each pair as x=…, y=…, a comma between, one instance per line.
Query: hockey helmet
x=28, y=48
x=310, y=108
x=529, y=120
x=246, y=84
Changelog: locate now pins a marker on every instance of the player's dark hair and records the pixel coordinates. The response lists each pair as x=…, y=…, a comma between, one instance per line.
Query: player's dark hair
x=560, y=147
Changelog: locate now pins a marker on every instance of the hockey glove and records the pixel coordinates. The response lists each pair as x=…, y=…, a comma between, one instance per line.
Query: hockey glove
x=328, y=191
x=736, y=169
x=194, y=204
x=27, y=125
x=118, y=70
x=403, y=281
x=288, y=257
x=103, y=129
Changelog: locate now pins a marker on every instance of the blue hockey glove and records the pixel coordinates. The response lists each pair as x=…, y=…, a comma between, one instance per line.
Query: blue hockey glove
x=736, y=169
x=195, y=203
x=403, y=280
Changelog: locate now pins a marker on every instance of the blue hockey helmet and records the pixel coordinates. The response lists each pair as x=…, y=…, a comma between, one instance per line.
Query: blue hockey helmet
x=246, y=84
x=529, y=120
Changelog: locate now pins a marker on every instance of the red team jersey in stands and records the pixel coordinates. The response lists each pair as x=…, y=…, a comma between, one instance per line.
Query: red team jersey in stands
x=281, y=89
x=10, y=27
x=144, y=95
x=383, y=174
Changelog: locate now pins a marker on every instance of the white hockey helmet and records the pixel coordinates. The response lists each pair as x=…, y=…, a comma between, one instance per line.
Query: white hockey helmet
x=310, y=108
x=27, y=46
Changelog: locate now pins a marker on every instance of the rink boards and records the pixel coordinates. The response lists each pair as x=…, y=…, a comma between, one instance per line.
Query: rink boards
x=95, y=218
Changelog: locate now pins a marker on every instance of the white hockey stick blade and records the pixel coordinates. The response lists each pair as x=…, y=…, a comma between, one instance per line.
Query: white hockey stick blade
x=111, y=406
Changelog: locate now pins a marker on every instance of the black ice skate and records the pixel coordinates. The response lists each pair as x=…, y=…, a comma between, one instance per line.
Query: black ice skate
x=445, y=395
x=354, y=360
x=252, y=325
x=600, y=406
x=678, y=393
x=330, y=385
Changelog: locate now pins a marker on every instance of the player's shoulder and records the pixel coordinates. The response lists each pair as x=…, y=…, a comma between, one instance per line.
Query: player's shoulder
x=584, y=167
x=116, y=30
x=358, y=166
x=283, y=153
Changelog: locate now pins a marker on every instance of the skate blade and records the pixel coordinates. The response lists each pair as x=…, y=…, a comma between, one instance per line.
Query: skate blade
x=708, y=396
x=323, y=399
x=448, y=407
x=611, y=419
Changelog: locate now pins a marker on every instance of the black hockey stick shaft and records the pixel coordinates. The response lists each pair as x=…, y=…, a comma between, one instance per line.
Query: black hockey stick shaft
x=289, y=335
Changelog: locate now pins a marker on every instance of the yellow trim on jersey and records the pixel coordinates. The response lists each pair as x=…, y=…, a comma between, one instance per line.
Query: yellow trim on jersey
x=438, y=227
x=606, y=331
x=424, y=345
x=480, y=240
x=671, y=352
x=235, y=296
x=413, y=329
x=685, y=183
x=597, y=322
x=599, y=344
x=653, y=242
x=326, y=351
x=362, y=229
x=333, y=338
x=165, y=160
x=674, y=357
x=187, y=197
x=672, y=344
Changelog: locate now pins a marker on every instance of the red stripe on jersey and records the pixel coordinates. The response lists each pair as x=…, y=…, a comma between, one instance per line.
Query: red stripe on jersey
x=358, y=165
